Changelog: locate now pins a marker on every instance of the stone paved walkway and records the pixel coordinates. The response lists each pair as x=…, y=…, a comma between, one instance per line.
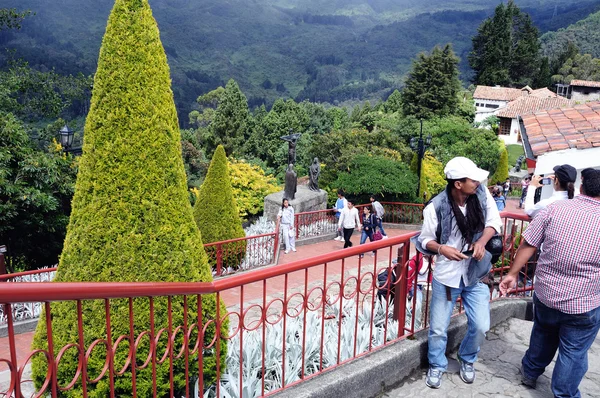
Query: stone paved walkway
x=498, y=370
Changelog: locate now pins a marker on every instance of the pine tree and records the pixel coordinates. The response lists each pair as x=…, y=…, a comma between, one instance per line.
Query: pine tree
x=506, y=48
x=432, y=86
x=229, y=125
x=131, y=220
x=216, y=212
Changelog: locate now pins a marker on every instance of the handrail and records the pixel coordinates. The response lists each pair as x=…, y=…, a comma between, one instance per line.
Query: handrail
x=56, y=291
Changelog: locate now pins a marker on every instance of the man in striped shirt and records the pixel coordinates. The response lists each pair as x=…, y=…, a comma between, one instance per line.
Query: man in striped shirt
x=567, y=287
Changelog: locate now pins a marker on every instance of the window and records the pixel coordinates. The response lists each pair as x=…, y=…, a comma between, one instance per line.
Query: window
x=493, y=106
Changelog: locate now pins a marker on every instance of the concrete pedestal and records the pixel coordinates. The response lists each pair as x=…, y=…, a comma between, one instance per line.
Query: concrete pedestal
x=306, y=200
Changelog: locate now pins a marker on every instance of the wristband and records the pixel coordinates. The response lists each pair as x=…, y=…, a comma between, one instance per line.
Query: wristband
x=439, y=250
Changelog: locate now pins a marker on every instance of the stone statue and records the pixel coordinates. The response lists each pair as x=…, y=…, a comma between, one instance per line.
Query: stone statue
x=290, y=183
x=519, y=162
x=313, y=174
x=291, y=138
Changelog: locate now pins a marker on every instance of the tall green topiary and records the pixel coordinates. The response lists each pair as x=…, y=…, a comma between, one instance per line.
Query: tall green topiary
x=131, y=219
x=501, y=173
x=216, y=212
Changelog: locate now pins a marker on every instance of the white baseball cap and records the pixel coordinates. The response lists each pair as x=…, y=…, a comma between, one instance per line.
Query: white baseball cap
x=461, y=167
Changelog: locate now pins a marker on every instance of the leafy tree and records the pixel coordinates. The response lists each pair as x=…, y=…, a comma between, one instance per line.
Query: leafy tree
x=10, y=18
x=394, y=102
x=229, y=124
x=582, y=67
x=216, y=211
x=131, y=219
x=501, y=173
x=194, y=159
x=339, y=118
x=432, y=87
x=249, y=186
x=454, y=136
x=506, y=48
x=377, y=175
x=36, y=187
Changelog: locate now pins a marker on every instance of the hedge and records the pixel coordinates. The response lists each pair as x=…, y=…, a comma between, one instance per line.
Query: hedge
x=131, y=219
x=216, y=212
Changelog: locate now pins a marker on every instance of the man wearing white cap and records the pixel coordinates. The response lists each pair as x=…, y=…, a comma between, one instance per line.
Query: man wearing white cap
x=457, y=225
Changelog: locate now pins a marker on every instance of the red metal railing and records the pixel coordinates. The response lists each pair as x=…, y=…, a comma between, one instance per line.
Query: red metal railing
x=287, y=323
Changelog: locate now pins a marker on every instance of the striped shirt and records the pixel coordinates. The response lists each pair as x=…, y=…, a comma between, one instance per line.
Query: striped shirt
x=568, y=270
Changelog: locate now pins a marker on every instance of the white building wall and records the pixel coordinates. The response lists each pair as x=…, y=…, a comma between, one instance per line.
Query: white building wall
x=483, y=112
x=513, y=138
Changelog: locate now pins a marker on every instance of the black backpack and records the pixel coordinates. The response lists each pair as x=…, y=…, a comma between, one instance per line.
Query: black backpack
x=385, y=284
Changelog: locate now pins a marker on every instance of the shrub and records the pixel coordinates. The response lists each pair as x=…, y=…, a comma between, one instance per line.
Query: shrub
x=131, y=219
x=216, y=212
x=501, y=173
x=368, y=175
x=250, y=185
x=432, y=179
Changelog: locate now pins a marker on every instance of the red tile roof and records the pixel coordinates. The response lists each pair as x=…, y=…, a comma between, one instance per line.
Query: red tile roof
x=584, y=83
x=562, y=128
x=525, y=105
x=498, y=93
x=543, y=93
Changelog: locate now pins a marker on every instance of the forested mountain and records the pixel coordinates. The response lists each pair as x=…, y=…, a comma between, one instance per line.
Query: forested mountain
x=585, y=34
x=325, y=51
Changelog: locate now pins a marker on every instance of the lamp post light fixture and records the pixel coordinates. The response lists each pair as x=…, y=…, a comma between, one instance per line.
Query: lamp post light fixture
x=420, y=145
x=66, y=137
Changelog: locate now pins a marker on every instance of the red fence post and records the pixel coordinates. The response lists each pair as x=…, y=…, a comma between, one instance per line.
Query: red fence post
x=219, y=258
x=400, y=296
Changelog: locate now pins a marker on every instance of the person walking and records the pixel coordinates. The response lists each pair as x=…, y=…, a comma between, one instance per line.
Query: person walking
x=369, y=222
x=340, y=204
x=348, y=222
x=457, y=225
x=506, y=187
x=379, y=212
x=524, y=186
x=567, y=287
x=563, y=182
x=286, y=217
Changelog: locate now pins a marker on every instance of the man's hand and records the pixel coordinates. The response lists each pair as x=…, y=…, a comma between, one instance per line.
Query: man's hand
x=451, y=253
x=478, y=250
x=508, y=284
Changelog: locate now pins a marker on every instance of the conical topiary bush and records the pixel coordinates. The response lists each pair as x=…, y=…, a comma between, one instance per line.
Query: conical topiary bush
x=217, y=215
x=131, y=219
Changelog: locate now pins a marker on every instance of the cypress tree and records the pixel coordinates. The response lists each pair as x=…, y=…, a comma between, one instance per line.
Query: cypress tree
x=216, y=212
x=131, y=219
x=501, y=173
x=229, y=125
x=506, y=48
x=432, y=86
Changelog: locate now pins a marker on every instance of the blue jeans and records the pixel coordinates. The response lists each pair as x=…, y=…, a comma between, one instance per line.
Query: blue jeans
x=572, y=335
x=366, y=234
x=476, y=300
x=380, y=226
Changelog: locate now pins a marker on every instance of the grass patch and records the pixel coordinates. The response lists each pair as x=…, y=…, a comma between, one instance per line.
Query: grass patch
x=514, y=151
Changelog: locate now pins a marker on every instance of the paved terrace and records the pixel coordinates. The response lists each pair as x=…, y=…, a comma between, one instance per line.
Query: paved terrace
x=500, y=354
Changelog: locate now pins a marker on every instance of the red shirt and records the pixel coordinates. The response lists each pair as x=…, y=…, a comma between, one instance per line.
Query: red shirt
x=568, y=270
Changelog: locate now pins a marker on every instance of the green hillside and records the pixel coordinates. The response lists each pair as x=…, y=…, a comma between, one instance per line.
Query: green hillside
x=333, y=51
x=585, y=34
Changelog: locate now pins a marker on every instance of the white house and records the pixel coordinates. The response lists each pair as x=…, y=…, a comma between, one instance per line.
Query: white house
x=509, y=130
x=488, y=99
x=568, y=135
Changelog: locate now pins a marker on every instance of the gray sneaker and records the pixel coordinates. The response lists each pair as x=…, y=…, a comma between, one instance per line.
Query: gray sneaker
x=529, y=382
x=467, y=371
x=434, y=378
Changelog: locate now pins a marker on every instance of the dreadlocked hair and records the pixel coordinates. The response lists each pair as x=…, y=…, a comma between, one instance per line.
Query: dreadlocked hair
x=471, y=223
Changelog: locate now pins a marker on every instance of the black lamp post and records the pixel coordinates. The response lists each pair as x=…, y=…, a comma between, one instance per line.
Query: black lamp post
x=66, y=137
x=420, y=146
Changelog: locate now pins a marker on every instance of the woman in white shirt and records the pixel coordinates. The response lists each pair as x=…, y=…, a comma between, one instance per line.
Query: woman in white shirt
x=563, y=182
x=286, y=216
